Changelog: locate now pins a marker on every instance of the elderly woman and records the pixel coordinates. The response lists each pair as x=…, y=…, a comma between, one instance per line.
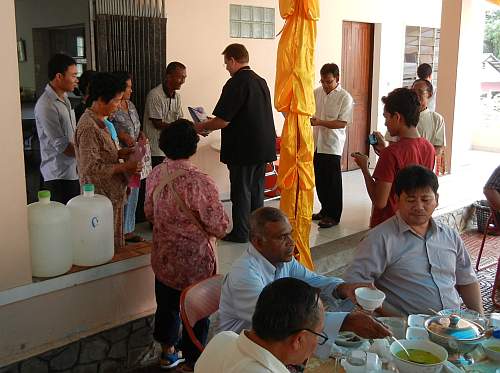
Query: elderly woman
x=128, y=126
x=183, y=204
x=97, y=154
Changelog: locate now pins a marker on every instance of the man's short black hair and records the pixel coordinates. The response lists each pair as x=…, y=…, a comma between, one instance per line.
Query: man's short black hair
x=285, y=307
x=104, y=86
x=58, y=64
x=84, y=81
x=122, y=77
x=236, y=51
x=179, y=139
x=424, y=71
x=330, y=68
x=429, y=88
x=414, y=177
x=172, y=67
x=405, y=102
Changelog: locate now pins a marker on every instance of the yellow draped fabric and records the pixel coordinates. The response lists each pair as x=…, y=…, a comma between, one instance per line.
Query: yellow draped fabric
x=294, y=97
x=496, y=2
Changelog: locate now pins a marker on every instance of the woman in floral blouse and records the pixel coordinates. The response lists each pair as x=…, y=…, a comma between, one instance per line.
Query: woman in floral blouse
x=128, y=126
x=183, y=204
x=97, y=155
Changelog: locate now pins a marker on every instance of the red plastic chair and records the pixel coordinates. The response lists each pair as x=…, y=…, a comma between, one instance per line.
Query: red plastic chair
x=198, y=301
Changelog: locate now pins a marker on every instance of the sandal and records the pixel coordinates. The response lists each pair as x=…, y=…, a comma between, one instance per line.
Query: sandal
x=135, y=238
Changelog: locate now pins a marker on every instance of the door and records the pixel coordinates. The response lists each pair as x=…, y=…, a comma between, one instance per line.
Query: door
x=356, y=78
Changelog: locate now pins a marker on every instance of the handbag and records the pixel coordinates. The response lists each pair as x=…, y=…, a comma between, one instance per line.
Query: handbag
x=167, y=180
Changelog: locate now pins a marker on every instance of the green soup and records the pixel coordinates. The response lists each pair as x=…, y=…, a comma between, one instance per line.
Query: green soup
x=494, y=348
x=418, y=356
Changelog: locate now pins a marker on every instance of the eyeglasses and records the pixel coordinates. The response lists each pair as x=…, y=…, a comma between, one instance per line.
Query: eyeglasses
x=322, y=337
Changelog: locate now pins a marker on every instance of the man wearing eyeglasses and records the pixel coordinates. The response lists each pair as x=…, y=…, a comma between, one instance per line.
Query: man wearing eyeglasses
x=287, y=326
x=333, y=114
x=270, y=257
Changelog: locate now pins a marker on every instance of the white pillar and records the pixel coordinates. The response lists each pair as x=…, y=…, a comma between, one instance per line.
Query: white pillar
x=15, y=261
x=462, y=24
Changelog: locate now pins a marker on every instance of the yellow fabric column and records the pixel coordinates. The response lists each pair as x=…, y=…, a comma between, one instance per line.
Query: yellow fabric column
x=294, y=97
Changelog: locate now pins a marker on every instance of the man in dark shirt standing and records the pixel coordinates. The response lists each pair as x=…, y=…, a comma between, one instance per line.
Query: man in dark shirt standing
x=244, y=115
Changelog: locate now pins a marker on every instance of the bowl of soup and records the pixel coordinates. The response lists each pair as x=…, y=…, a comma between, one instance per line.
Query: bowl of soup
x=492, y=348
x=426, y=356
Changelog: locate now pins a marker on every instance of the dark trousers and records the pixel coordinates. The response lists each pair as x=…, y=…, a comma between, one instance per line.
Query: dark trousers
x=156, y=160
x=247, y=194
x=328, y=177
x=168, y=321
x=62, y=190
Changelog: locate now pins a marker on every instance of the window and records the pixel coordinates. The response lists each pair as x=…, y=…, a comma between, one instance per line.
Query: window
x=421, y=45
x=251, y=22
x=80, y=46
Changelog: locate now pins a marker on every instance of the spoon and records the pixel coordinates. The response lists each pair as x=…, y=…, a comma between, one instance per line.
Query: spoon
x=410, y=358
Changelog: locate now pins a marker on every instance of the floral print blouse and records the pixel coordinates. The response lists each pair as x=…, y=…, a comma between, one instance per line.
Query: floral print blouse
x=181, y=252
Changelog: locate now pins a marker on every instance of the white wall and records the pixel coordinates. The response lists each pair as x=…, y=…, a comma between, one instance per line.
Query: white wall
x=198, y=38
x=47, y=13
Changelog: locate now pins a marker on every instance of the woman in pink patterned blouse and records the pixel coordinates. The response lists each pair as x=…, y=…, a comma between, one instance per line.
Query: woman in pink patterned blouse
x=183, y=204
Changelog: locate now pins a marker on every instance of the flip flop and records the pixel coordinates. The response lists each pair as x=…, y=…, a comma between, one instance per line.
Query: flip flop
x=135, y=238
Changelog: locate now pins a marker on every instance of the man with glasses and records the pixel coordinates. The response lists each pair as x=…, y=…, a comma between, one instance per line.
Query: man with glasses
x=333, y=114
x=270, y=257
x=287, y=326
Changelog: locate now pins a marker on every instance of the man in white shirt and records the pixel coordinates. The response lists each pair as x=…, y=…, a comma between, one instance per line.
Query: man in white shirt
x=333, y=113
x=163, y=106
x=430, y=124
x=287, y=326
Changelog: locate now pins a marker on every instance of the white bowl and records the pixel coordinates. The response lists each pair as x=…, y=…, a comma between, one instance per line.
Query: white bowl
x=414, y=332
x=368, y=298
x=409, y=367
x=493, y=355
x=417, y=320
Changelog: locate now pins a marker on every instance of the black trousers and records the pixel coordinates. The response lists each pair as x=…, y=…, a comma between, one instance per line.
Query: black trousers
x=168, y=321
x=328, y=175
x=247, y=194
x=62, y=190
x=156, y=160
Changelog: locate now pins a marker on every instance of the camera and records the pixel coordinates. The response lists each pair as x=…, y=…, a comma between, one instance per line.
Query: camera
x=372, y=139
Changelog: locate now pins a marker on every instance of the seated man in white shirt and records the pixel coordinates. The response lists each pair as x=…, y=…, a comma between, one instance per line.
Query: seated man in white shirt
x=419, y=263
x=287, y=326
x=270, y=257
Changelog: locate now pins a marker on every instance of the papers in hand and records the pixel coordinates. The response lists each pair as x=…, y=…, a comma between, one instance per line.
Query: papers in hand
x=198, y=114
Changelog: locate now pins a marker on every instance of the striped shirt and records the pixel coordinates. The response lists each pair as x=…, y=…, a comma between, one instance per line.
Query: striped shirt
x=160, y=106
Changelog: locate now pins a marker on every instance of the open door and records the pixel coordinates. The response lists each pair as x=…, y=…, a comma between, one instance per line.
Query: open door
x=356, y=78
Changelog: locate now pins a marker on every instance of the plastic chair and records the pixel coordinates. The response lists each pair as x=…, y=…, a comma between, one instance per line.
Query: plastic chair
x=198, y=301
x=491, y=225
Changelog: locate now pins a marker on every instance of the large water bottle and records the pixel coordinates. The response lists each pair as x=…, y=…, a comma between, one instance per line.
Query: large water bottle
x=50, y=237
x=92, y=228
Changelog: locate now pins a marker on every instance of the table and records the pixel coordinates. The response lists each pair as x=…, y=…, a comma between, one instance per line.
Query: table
x=315, y=365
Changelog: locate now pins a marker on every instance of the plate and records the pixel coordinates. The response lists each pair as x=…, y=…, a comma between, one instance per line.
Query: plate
x=348, y=339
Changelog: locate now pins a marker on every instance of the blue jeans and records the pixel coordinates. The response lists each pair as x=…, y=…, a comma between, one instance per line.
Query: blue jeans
x=129, y=218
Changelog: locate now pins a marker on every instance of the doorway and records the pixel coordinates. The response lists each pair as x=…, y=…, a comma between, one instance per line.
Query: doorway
x=356, y=78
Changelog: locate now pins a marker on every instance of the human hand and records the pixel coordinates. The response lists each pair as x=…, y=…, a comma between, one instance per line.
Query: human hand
x=201, y=130
x=365, y=326
x=346, y=290
x=124, y=153
x=132, y=167
x=142, y=137
x=361, y=160
x=314, y=121
x=381, y=144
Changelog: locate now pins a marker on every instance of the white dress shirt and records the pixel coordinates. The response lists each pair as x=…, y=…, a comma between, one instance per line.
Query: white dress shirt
x=229, y=352
x=337, y=105
x=431, y=127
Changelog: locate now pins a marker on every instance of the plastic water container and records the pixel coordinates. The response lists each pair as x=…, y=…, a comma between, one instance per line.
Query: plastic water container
x=50, y=237
x=92, y=228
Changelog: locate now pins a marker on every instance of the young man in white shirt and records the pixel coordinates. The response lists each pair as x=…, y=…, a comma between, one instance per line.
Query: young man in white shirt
x=333, y=113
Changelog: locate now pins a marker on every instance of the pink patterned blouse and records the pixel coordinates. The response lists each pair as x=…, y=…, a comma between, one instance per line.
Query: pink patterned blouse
x=181, y=253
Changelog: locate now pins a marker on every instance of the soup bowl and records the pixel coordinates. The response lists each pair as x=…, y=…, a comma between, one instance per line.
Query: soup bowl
x=368, y=298
x=411, y=367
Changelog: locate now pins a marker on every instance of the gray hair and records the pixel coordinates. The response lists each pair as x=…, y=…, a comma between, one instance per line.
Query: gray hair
x=260, y=217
